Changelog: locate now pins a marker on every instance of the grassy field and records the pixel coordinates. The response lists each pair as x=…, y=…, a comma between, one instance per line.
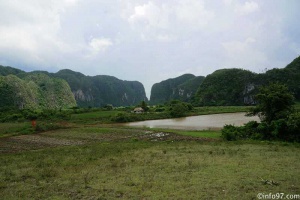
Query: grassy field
x=89, y=158
x=9, y=129
x=202, y=133
x=100, y=117
x=96, y=116
x=110, y=162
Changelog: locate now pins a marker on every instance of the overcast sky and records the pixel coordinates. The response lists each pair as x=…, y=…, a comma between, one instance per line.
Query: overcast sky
x=148, y=41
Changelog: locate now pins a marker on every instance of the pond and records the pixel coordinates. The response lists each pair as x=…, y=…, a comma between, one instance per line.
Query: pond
x=201, y=122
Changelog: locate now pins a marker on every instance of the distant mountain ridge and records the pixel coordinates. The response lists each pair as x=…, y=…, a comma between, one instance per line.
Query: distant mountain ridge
x=180, y=88
x=222, y=87
x=34, y=91
x=100, y=90
x=239, y=86
x=225, y=86
x=93, y=91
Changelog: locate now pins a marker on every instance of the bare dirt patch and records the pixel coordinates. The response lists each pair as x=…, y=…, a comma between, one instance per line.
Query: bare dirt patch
x=32, y=142
x=48, y=139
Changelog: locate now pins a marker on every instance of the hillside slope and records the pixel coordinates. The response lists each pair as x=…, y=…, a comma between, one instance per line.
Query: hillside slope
x=227, y=87
x=93, y=91
x=35, y=91
x=180, y=88
x=238, y=86
x=290, y=75
x=100, y=90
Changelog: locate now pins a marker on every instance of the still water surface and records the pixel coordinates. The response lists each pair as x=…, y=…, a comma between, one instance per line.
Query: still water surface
x=202, y=122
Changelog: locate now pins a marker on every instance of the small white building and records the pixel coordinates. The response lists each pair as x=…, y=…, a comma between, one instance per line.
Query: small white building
x=138, y=110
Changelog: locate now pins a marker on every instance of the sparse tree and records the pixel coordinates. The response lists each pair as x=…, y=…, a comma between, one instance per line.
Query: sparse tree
x=144, y=106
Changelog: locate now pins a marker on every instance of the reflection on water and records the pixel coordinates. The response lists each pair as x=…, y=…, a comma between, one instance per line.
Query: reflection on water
x=202, y=122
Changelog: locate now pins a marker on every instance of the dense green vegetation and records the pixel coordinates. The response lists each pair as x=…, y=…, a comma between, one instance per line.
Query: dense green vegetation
x=80, y=153
x=279, y=119
x=13, y=128
x=226, y=87
x=180, y=88
x=35, y=91
x=52, y=149
x=4, y=71
x=290, y=76
x=238, y=86
x=88, y=91
x=97, y=91
x=53, y=119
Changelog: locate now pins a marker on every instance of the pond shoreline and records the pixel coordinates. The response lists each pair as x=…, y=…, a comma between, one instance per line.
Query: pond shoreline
x=199, y=122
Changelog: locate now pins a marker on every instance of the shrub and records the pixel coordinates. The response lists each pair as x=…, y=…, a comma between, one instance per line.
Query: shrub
x=279, y=129
x=293, y=124
x=161, y=109
x=45, y=126
x=250, y=130
x=29, y=114
x=121, y=117
x=13, y=117
x=178, y=108
x=282, y=129
x=264, y=130
x=108, y=107
x=231, y=132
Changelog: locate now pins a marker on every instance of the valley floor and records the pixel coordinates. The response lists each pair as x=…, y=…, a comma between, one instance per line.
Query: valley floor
x=110, y=162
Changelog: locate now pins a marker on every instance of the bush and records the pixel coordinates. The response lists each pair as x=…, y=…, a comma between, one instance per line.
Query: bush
x=279, y=130
x=250, y=130
x=282, y=129
x=29, y=114
x=178, y=108
x=45, y=126
x=231, y=132
x=121, y=117
x=54, y=115
x=12, y=118
x=108, y=107
x=160, y=109
x=293, y=124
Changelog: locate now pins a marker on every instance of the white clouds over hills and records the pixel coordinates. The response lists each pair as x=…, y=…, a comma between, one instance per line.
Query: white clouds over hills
x=134, y=39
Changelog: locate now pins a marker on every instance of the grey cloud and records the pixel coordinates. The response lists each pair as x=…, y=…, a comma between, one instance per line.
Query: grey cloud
x=148, y=40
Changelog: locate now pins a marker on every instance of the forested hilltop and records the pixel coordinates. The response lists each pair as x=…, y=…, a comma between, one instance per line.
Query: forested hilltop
x=181, y=88
x=234, y=86
x=225, y=86
x=238, y=86
x=34, y=91
x=88, y=91
x=96, y=91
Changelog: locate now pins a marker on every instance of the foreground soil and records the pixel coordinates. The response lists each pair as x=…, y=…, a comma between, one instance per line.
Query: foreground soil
x=56, y=138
